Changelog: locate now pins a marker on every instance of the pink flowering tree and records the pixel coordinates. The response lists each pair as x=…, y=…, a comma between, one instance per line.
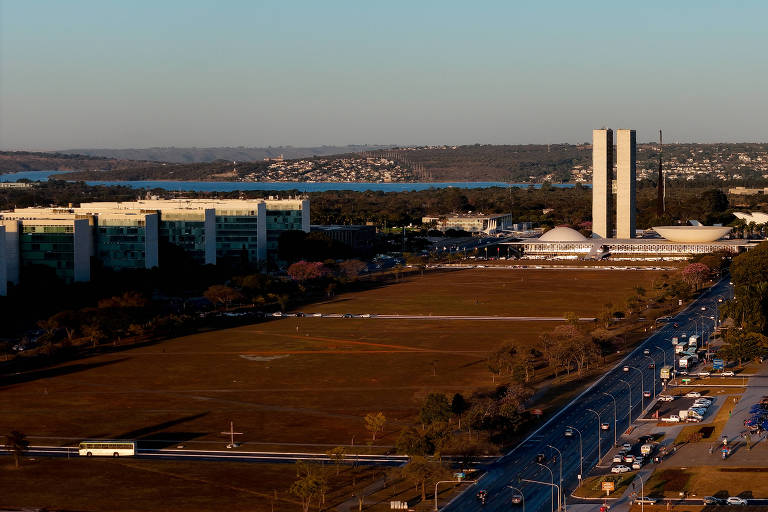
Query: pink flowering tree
x=695, y=273
x=302, y=271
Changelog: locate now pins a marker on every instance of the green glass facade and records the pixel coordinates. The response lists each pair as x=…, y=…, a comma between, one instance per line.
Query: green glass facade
x=277, y=222
x=121, y=247
x=234, y=234
x=51, y=246
x=187, y=234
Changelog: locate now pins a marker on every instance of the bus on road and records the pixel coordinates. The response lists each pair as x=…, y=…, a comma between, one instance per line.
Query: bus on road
x=107, y=448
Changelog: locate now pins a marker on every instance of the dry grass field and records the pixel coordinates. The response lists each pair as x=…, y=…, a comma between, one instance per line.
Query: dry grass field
x=708, y=481
x=307, y=381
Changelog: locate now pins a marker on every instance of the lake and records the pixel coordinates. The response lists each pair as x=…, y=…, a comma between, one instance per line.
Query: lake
x=231, y=186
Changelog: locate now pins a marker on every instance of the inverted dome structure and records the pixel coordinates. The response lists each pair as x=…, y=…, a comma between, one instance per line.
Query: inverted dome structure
x=692, y=234
x=562, y=234
x=756, y=217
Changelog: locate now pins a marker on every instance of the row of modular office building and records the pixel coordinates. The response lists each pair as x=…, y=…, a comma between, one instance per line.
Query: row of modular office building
x=127, y=235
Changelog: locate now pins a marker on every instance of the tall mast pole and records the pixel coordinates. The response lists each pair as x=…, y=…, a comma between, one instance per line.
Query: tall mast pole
x=661, y=192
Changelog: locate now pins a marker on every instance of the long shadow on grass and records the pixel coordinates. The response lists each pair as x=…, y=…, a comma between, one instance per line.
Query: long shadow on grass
x=20, y=378
x=168, y=438
x=153, y=431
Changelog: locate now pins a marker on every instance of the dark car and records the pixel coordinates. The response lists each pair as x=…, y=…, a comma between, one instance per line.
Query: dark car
x=516, y=499
x=541, y=458
x=711, y=500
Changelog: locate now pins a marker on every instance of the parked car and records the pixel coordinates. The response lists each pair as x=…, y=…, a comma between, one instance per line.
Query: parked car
x=516, y=499
x=618, y=458
x=666, y=398
x=735, y=500
x=646, y=500
x=637, y=464
x=703, y=375
x=629, y=458
x=627, y=446
x=727, y=373
x=647, y=394
x=693, y=394
x=620, y=469
x=711, y=500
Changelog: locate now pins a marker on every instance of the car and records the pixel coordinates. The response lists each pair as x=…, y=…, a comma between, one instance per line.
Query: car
x=704, y=375
x=711, y=500
x=651, y=365
x=299, y=314
x=568, y=432
x=277, y=313
x=682, y=372
x=647, y=394
x=645, y=500
x=317, y=315
x=347, y=315
x=693, y=394
x=627, y=446
x=666, y=398
x=702, y=403
x=516, y=499
x=676, y=325
x=620, y=469
x=698, y=410
x=735, y=500
x=541, y=458
x=605, y=426
x=693, y=419
x=646, y=352
x=618, y=458
x=629, y=458
x=727, y=373
x=637, y=465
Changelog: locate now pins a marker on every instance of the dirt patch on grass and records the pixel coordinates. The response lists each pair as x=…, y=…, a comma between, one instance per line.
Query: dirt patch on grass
x=708, y=481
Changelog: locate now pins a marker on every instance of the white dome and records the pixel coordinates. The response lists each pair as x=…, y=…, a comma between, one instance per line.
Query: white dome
x=562, y=234
x=692, y=233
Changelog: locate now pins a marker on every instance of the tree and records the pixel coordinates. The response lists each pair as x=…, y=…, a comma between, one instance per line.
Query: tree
x=435, y=408
x=16, y=443
x=412, y=441
x=501, y=360
x=374, y=423
x=420, y=470
x=337, y=456
x=221, y=294
x=350, y=269
x=310, y=484
x=303, y=271
x=743, y=346
x=695, y=273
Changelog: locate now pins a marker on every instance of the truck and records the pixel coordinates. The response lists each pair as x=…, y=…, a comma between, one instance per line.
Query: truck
x=683, y=361
x=693, y=341
x=646, y=450
x=683, y=414
x=666, y=372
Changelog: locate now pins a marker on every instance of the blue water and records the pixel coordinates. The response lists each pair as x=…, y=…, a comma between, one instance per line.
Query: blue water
x=230, y=186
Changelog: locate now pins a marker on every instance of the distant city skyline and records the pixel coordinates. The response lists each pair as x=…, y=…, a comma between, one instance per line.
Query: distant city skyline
x=94, y=74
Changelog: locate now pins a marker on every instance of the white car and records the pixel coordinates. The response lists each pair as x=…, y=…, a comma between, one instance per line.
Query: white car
x=629, y=458
x=728, y=373
x=702, y=403
x=646, y=500
x=666, y=398
x=618, y=458
x=735, y=500
x=703, y=375
x=693, y=394
x=620, y=469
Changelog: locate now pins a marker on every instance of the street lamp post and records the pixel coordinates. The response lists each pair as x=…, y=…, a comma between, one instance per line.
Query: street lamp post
x=615, y=423
x=629, y=415
x=521, y=494
x=642, y=384
x=653, y=375
x=542, y=483
x=561, y=498
x=581, y=453
x=599, y=451
x=552, y=494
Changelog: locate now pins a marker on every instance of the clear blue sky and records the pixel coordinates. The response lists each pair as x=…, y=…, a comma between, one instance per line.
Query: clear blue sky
x=139, y=73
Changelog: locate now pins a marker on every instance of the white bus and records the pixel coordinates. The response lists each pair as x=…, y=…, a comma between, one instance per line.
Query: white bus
x=107, y=448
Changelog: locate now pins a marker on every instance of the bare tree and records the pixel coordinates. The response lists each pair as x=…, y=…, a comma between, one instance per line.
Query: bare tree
x=374, y=423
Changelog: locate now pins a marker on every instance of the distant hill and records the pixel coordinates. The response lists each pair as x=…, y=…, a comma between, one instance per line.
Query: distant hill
x=239, y=154
x=21, y=161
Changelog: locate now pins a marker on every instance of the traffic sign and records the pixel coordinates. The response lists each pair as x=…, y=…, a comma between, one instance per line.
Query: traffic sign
x=718, y=364
x=608, y=486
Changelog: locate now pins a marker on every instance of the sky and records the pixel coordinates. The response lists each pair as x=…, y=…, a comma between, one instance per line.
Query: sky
x=118, y=74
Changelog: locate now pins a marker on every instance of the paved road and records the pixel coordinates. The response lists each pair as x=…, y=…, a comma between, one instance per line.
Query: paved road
x=614, y=385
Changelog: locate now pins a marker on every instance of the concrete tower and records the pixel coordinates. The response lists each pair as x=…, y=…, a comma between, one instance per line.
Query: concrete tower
x=602, y=171
x=626, y=156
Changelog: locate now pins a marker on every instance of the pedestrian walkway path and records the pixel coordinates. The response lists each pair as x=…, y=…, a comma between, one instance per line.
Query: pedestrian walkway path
x=756, y=388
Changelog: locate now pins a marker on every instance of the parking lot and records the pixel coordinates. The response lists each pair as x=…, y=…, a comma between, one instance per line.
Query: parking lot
x=680, y=403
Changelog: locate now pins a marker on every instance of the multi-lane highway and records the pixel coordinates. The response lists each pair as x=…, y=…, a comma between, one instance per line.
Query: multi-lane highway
x=606, y=401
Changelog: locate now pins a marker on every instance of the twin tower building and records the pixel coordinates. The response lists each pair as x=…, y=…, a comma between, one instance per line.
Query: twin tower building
x=603, y=206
